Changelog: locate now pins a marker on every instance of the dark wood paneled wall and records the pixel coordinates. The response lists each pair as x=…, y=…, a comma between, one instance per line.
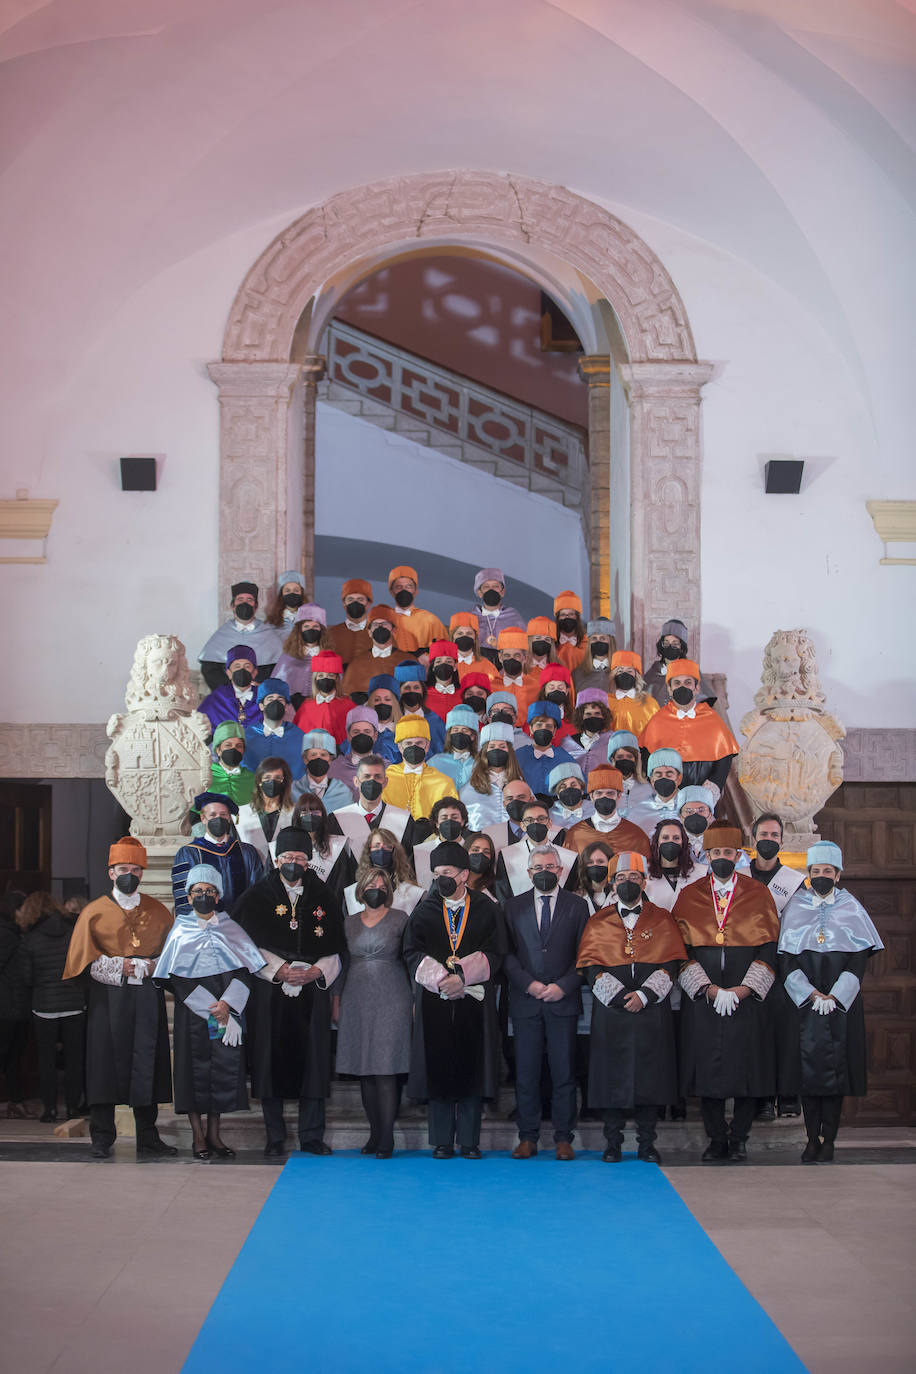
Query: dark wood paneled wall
x=875, y=826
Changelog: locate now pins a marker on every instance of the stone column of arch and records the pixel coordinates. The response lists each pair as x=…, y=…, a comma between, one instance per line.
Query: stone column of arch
x=595, y=371
x=666, y=467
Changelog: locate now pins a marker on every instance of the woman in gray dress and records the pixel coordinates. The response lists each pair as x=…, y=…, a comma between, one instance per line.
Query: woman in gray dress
x=374, y=1022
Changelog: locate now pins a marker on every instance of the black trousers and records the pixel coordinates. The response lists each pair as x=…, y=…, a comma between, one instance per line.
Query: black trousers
x=615, y=1118
x=70, y=1033
x=311, y=1119
x=558, y=1033
x=102, y=1124
x=717, y=1128
x=13, y=1038
x=822, y=1117
x=380, y=1094
x=448, y=1120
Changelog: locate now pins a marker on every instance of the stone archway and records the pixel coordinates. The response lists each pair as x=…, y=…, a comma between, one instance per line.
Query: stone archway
x=267, y=401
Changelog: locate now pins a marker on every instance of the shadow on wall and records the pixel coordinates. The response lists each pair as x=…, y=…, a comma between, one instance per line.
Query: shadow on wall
x=446, y=584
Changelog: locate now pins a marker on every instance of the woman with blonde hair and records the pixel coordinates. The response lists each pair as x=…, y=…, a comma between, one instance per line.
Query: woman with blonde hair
x=600, y=643
x=631, y=703
x=383, y=852
x=496, y=765
x=307, y=637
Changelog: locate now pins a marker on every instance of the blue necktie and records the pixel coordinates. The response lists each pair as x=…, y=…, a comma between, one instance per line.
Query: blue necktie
x=545, y=921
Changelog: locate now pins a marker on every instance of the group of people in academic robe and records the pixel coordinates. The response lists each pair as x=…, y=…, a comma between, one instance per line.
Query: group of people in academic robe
x=481, y=848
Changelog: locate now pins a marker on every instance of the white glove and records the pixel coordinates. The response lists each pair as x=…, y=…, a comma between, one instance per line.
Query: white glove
x=824, y=1005
x=232, y=1035
x=291, y=989
x=141, y=969
x=725, y=1002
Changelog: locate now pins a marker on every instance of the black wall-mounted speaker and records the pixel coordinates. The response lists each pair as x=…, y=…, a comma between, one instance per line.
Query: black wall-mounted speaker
x=783, y=476
x=138, y=474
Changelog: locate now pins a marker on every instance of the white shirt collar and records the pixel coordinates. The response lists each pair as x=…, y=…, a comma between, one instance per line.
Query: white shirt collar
x=243, y=697
x=606, y=823
x=356, y=624
x=127, y=901
x=620, y=695
x=294, y=893
x=600, y=663
x=465, y=658
x=403, y=610
x=690, y=714
x=447, y=689
x=723, y=889
x=824, y=901
x=381, y=653
x=271, y=729
x=413, y=767
x=321, y=698
x=568, y=639
x=543, y=753
x=231, y=772
x=513, y=681
x=245, y=627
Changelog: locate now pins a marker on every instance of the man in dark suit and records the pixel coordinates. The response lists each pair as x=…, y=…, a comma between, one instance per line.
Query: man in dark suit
x=544, y=927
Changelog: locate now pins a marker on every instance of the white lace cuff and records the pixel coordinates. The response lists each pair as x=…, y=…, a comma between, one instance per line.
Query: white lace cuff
x=606, y=987
x=108, y=968
x=430, y=973
x=693, y=980
x=759, y=978
x=659, y=982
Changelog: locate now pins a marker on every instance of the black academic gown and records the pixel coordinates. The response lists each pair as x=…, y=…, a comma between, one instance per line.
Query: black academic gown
x=828, y=1055
x=209, y=1076
x=727, y=1056
x=632, y=1055
x=127, y=1044
x=290, y=1037
x=455, y=1048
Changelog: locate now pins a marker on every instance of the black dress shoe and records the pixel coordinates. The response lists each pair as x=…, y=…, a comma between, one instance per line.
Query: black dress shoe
x=788, y=1106
x=737, y=1152
x=275, y=1147
x=101, y=1152
x=202, y=1154
x=678, y=1113
x=369, y=1148
x=222, y=1151
x=810, y=1152
x=767, y=1113
x=155, y=1148
x=825, y=1153
x=716, y=1151
x=315, y=1147
x=648, y=1154
x=48, y=1116
x=470, y=1152
x=443, y=1152
x=612, y=1155
x=384, y=1154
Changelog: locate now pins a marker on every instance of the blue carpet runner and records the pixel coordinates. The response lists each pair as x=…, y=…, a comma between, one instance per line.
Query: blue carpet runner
x=425, y=1266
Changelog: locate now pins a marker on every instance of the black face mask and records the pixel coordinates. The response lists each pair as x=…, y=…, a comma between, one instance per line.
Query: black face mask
x=600, y=649
x=411, y=699
x=272, y=787
x=311, y=636
x=542, y=737
x=502, y=718
x=624, y=682
x=464, y=645
x=231, y=758
x=241, y=678
x=822, y=886
x=382, y=710
x=204, y=905
x=381, y=634
x=127, y=883
x=461, y=742
x=606, y=806
x=625, y=767
x=497, y=758
x=512, y=666
x=449, y=830
x=371, y=789
x=723, y=868
x=695, y=824
x=570, y=797
x=665, y=787
x=682, y=696
x=669, y=849
x=355, y=609
x=557, y=698
x=382, y=858
x=325, y=684
x=540, y=647
x=275, y=710
x=670, y=652
x=244, y=611
x=491, y=597
x=446, y=885
x=361, y=743
x=592, y=724
x=403, y=599
x=317, y=768
x=374, y=897
x=628, y=893
x=218, y=826
x=479, y=862
x=536, y=831
x=414, y=754
x=309, y=820
x=293, y=600
x=544, y=880
x=767, y=849
x=444, y=672
x=567, y=625
x=293, y=873
x=477, y=704
x=596, y=873
x=514, y=810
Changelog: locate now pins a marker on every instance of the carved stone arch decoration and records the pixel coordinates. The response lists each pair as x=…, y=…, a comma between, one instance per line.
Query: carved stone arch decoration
x=267, y=402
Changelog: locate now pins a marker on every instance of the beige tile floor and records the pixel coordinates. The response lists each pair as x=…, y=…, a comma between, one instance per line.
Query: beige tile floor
x=98, y=1275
